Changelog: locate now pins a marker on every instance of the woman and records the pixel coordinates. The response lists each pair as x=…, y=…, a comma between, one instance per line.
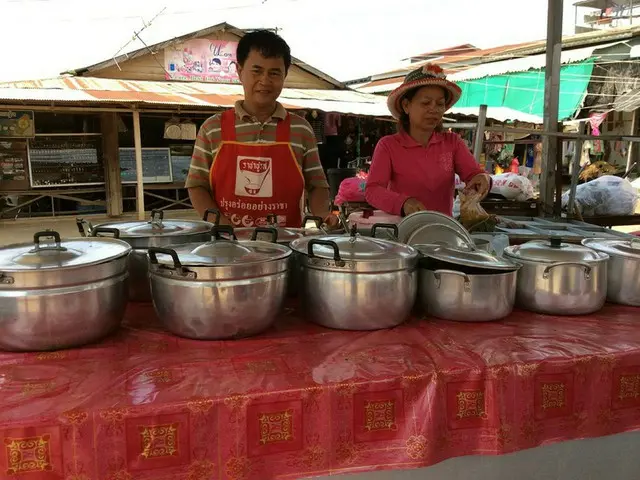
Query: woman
x=415, y=169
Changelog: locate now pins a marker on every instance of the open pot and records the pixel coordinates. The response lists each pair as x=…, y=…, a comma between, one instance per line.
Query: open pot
x=623, y=271
x=156, y=232
x=355, y=282
x=465, y=284
x=558, y=278
x=225, y=288
x=61, y=293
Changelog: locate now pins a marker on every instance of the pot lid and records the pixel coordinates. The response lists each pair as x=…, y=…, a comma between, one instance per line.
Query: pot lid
x=220, y=252
x=354, y=248
x=552, y=250
x=49, y=252
x=157, y=226
x=468, y=256
x=284, y=234
x=615, y=247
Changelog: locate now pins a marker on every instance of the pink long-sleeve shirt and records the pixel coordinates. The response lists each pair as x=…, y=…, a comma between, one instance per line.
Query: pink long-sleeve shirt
x=402, y=168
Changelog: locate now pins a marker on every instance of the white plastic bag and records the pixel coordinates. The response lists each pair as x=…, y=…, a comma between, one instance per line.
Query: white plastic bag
x=459, y=184
x=512, y=187
x=607, y=195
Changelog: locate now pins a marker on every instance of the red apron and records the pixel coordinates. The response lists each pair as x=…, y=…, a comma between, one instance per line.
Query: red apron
x=252, y=180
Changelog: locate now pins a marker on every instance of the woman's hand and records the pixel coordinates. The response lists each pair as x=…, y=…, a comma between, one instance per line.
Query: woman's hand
x=412, y=205
x=480, y=184
x=332, y=222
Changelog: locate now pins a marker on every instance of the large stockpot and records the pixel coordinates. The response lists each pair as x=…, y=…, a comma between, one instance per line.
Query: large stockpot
x=465, y=284
x=558, y=278
x=60, y=294
x=623, y=271
x=156, y=232
x=356, y=282
x=222, y=289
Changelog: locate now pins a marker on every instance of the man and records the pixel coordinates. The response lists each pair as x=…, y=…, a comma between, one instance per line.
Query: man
x=257, y=159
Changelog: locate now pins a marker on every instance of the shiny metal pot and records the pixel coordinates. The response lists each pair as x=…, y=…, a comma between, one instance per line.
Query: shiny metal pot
x=156, y=232
x=465, y=285
x=61, y=293
x=559, y=278
x=355, y=282
x=222, y=289
x=623, y=271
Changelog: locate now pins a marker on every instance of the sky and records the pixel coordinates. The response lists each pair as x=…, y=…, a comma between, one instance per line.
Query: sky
x=346, y=39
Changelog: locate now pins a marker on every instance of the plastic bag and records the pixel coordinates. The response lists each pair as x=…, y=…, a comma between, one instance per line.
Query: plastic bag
x=459, y=184
x=351, y=190
x=472, y=215
x=512, y=187
x=606, y=195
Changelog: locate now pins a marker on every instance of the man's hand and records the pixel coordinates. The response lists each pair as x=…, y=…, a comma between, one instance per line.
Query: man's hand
x=332, y=222
x=412, y=205
x=480, y=184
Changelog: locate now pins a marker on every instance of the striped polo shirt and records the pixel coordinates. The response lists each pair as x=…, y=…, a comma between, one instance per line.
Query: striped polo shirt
x=249, y=129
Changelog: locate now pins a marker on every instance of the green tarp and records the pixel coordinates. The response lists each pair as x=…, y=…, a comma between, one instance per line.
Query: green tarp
x=524, y=91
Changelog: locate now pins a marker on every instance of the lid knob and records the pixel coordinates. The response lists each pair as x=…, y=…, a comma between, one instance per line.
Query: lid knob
x=555, y=242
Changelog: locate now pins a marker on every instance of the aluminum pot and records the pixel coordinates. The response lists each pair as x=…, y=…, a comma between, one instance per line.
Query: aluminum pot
x=355, y=282
x=221, y=289
x=623, y=271
x=156, y=232
x=558, y=278
x=61, y=294
x=465, y=284
x=285, y=236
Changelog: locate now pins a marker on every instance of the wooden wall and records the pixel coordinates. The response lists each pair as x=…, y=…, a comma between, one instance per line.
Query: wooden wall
x=150, y=67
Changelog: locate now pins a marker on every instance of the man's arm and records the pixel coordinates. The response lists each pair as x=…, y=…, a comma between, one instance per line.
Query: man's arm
x=198, y=183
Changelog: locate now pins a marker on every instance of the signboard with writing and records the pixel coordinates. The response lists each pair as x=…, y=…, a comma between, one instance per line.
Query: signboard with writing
x=156, y=165
x=16, y=124
x=14, y=165
x=58, y=161
x=202, y=60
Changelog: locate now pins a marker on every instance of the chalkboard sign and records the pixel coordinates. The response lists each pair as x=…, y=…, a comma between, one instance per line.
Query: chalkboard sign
x=156, y=165
x=14, y=165
x=56, y=161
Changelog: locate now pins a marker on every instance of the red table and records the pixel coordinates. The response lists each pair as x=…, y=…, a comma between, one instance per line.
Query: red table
x=302, y=400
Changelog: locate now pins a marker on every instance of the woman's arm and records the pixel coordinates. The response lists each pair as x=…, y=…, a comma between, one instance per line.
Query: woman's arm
x=377, y=192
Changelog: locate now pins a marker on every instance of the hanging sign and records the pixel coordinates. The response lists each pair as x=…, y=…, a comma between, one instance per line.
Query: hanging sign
x=202, y=60
x=16, y=124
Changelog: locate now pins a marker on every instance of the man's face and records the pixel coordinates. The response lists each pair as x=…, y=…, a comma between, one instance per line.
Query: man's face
x=262, y=79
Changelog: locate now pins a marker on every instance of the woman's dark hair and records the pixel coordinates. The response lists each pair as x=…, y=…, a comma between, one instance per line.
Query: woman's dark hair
x=268, y=44
x=403, y=122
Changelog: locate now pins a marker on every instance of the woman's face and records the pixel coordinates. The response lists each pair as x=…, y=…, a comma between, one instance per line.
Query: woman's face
x=426, y=108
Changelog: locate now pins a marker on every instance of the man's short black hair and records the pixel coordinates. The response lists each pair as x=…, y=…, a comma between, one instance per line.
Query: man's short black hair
x=268, y=44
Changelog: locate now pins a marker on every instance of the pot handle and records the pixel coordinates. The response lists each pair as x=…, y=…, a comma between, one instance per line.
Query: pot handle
x=98, y=230
x=156, y=217
x=587, y=268
x=439, y=273
x=155, y=251
x=216, y=230
x=80, y=223
x=47, y=234
x=388, y=226
x=268, y=230
x=214, y=212
x=327, y=243
x=311, y=218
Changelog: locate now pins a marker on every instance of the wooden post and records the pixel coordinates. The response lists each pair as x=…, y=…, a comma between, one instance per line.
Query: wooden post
x=111, y=158
x=634, y=128
x=137, y=142
x=575, y=170
x=551, y=104
x=478, y=141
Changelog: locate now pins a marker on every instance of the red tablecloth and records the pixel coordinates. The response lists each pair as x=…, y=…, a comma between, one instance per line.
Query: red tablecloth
x=302, y=400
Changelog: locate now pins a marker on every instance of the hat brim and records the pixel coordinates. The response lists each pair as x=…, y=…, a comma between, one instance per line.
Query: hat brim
x=393, y=100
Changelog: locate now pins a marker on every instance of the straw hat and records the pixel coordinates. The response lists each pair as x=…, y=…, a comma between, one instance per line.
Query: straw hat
x=428, y=74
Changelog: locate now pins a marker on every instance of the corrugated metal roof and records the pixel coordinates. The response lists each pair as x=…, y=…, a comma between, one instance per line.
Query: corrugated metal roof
x=188, y=94
x=628, y=102
x=533, y=62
